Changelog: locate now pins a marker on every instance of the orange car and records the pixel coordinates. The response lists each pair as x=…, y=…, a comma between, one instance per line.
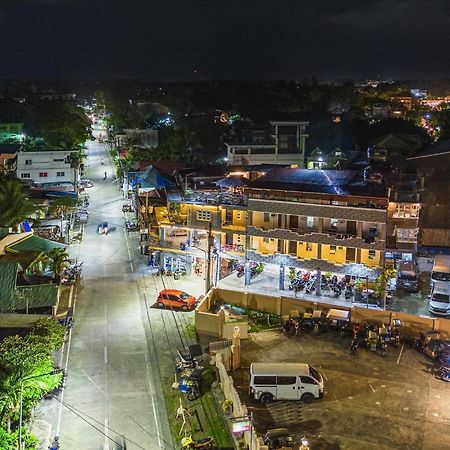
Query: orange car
x=173, y=298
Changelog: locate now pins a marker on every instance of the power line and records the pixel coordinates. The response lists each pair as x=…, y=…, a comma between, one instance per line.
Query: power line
x=79, y=414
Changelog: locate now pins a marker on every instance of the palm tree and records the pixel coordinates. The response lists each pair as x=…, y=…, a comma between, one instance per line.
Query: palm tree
x=15, y=205
x=56, y=261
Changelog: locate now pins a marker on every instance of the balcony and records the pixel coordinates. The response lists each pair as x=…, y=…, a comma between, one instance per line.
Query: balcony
x=232, y=227
x=328, y=238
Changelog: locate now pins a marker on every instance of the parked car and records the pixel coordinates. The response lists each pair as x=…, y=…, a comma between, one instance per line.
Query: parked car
x=86, y=183
x=173, y=298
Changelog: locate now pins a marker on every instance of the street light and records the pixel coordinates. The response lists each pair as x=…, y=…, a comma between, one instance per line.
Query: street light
x=53, y=372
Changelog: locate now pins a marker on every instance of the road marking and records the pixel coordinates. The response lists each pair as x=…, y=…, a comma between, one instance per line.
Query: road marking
x=106, y=446
x=128, y=250
x=58, y=425
x=371, y=387
x=400, y=355
x=105, y=354
x=158, y=427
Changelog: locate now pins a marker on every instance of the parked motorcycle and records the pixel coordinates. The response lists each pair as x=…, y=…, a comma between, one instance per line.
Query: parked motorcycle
x=190, y=382
x=205, y=443
x=185, y=361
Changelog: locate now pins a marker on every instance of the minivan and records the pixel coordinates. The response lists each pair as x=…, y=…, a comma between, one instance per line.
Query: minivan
x=407, y=277
x=285, y=381
x=440, y=298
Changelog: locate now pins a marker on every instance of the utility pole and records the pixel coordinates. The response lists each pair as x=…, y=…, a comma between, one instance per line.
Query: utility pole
x=208, y=259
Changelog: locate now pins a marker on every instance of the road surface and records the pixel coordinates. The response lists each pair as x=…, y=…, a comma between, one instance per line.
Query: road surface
x=112, y=392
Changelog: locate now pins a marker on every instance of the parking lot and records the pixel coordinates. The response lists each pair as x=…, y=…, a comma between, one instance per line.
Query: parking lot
x=268, y=283
x=371, y=401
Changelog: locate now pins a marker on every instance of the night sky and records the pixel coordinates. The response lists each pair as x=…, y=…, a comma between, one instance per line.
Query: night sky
x=258, y=39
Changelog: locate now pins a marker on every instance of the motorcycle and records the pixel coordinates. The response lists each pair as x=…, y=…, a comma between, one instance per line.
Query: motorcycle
x=444, y=373
x=205, y=443
x=105, y=176
x=240, y=271
x=185, y=361
x=190, y=383
x=348, y=293
x=55, y=444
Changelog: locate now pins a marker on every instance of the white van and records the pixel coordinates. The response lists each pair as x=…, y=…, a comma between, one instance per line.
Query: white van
x=440, y=299
x=441, y=268
x=285, y=381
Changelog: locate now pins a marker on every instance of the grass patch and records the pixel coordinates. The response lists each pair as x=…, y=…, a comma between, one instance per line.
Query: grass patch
x=204, y=413
x=260, y=321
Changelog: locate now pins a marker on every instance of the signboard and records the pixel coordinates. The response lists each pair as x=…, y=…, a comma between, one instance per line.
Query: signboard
x=240, y=424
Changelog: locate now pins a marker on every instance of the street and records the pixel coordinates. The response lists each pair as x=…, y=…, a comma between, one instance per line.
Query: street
x=113, y=392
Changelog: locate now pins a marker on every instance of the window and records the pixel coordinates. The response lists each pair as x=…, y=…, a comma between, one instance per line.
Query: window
x=264, y=381
x=407, y=210
x=372, y=254
x=204, y=215
x=266, y=240
x=309, y=221
x=309, y=247
x=60, y=174
x=59, y=160
x=406, y=234
x=28, y=162
x=266, y=217
x=307, y=380
x=24, y=175
x=43, y=174
x=332, y=249
x=286, y=381
x=238, y=215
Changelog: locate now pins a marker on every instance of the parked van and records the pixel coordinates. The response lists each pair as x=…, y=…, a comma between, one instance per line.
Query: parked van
x=441, y=268
x=407, y=277
x=285, y=381
x=440, y=298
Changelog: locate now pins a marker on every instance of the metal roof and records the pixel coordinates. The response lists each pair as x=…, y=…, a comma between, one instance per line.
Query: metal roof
x=335, y=182
x=8, y=277
x=34, y=243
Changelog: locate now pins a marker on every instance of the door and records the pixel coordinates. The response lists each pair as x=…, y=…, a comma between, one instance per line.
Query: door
x=293, y=222
x=287, y=388
x=351, y=227
x=350, y=254
x=308, y=385
x=174, y=301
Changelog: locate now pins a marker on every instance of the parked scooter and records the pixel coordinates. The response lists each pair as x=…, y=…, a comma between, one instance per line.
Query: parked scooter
x=205, y=443
x=190, y=382
x=185, y=361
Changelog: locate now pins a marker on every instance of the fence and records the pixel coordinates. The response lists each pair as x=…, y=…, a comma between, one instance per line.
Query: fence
x=239, y=409
x=213, y=324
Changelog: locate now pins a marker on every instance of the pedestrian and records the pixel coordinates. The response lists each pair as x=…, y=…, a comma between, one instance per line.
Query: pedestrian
x=103, y=162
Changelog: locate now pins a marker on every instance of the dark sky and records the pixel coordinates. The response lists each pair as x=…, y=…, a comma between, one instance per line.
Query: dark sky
x=169, y=39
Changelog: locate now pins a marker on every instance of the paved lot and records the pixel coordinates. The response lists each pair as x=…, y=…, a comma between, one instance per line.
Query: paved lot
x=268, y=283
x=371, y=401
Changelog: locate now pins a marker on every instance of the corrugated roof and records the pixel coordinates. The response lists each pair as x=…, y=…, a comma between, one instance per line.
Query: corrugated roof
x=34, y=243
x=334, y=182
x=38, y=296
x=25, y=259
x=8, y=277
x=438, y=149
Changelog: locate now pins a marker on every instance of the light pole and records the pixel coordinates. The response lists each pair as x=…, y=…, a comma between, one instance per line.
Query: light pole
x=53, y=372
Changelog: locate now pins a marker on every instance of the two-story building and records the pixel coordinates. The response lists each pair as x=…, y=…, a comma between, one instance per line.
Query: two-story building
x=52, y=166
x=285, y=144
x=323, y=218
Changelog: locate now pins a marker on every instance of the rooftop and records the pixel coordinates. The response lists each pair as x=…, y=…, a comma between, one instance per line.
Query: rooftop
x=335, y=182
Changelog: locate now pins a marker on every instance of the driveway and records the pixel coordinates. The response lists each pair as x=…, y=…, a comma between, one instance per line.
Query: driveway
x=370, y=402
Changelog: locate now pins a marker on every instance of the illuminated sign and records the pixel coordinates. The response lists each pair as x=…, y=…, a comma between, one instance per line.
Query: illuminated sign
x=240, y=424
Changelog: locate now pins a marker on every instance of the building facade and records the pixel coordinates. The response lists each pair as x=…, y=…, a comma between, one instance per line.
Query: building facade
x=51, y=166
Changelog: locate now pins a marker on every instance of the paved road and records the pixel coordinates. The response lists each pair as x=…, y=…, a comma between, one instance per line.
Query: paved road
x=112, y=381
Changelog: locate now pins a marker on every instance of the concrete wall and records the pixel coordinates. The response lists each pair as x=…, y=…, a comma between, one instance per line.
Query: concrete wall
x=210, y=323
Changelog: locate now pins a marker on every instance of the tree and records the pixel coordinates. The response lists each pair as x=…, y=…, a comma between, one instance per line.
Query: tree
x=382, y=281
x=26, y=369
x=15, y=206
x=61, y=124
x=56, y=261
